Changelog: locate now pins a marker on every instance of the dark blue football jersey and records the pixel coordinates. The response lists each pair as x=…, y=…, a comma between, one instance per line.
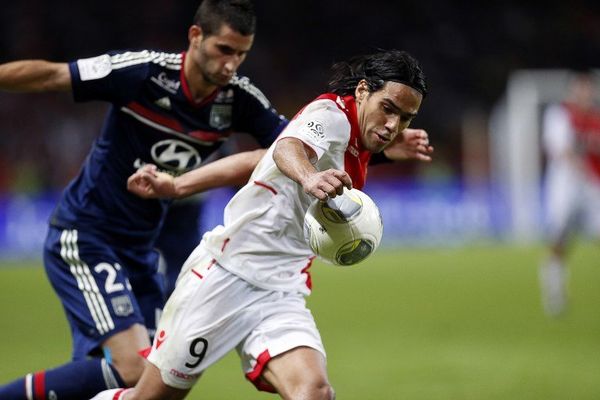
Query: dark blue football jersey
x=152, y=119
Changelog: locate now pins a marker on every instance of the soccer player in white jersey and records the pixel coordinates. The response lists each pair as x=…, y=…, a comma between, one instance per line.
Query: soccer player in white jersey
x=571, y=142
x=243, y=287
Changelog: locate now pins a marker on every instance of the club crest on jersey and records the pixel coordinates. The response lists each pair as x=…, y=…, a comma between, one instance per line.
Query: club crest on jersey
x=225, y=96
x=163, y=102
x=314, y=130
x=175, y=155
x=220, y=116
x=122, y=306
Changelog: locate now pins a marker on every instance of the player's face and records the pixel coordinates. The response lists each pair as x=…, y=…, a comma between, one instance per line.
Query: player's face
x=219, y=56
x=383, y=114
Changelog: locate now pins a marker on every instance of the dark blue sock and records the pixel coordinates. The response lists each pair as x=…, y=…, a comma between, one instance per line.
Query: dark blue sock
x=73, y=381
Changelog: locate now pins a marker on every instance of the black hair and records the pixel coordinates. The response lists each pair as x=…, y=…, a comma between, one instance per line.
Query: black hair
x=239, y=15
x=377, y=69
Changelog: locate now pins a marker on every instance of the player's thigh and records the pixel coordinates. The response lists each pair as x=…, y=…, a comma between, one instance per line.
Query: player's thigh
x=93, y=287
x=561, y=197
x=299, y=372
x=287, y=331
x=208, y=315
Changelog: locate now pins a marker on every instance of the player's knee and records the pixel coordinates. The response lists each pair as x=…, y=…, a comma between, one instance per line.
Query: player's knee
x=324, y=392
x=129, y=367
x=316, y=391
x=122, y=349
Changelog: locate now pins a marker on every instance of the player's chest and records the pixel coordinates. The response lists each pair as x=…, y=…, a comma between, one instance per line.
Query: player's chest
x=170, y=133
x=171, y=109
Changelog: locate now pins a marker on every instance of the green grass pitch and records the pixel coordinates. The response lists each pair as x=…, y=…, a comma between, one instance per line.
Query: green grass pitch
x=462, y=323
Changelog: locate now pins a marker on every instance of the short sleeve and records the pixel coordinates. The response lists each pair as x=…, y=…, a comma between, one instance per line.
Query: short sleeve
x=108, y=77
x=321, y=125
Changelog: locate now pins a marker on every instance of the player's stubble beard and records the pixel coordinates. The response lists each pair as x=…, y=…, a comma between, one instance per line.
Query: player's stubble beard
x=212, y=80
x=209, y=78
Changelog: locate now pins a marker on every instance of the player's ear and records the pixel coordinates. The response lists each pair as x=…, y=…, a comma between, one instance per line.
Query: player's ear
x=195, y=35
x=362, y=90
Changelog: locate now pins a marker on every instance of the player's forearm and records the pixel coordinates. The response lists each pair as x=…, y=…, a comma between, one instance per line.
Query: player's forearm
x=34, y=76
x=291, y=157
x=228, y=171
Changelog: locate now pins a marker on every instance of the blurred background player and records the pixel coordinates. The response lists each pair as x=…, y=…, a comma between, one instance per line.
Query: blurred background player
x=571, y=142
x=244, y=286
x=170, y=109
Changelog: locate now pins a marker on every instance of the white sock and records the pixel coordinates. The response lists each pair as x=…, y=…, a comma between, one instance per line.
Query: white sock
x=553, y=280
x=111, y=394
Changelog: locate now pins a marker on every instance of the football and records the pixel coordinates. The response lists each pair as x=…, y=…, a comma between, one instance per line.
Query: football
x=344, y=230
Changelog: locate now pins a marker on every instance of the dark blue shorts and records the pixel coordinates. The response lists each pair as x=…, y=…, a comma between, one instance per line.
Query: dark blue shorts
x=104, y=288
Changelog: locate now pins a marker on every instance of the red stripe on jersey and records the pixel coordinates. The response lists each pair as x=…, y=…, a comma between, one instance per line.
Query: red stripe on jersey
x=118, y=394
x=145, y=352
x=156, y=117
x=224, y=244
x=210, y=264
x=197, y=274
x=586, y=125
x=210, y=136
x=254, y=375
x=261, y=184
x=174, y=125
x=356, y=158
x=39, y=385
x=307, y=272
x=186, y=87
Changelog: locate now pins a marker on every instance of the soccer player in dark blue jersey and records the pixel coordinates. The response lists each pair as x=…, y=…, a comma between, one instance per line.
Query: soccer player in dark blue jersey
x=171, y=110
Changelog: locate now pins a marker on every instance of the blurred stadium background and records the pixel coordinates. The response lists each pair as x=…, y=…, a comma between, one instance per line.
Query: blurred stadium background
x=455, y=288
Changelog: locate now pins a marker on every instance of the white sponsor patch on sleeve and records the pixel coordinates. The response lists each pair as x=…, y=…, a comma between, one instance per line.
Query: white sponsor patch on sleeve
x=94, y=68
x=313, y=130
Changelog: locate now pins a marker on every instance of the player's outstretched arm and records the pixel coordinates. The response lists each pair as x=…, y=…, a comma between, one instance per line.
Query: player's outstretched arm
x=35, y=76
x=411, y=144
x=292, y=157
x=149, y=183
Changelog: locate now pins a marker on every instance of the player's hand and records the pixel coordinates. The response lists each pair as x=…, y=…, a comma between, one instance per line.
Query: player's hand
x=327, y=184
x=149, y=183
x=411, y=144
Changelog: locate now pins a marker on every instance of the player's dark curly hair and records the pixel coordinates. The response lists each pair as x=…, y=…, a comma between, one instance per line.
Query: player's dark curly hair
x=376, y=69
x=238, y=14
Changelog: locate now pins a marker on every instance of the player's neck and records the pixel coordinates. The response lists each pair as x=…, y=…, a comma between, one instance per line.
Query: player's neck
x=199, y=87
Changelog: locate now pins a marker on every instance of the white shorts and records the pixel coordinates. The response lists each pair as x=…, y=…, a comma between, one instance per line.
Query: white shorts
x=571, y=203
x=212, y=311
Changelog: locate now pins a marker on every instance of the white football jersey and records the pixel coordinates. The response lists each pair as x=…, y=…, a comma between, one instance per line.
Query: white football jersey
x=558, y=135
x=262, y=240
x=571, y=195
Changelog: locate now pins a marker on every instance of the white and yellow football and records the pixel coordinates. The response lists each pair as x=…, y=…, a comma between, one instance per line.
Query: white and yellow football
x=344, y=230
